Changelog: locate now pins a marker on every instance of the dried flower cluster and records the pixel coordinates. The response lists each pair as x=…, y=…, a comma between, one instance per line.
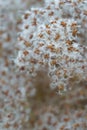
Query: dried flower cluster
x=51, y=57
x=48, y=39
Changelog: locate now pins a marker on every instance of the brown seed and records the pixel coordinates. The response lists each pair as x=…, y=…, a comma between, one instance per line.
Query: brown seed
x=31, y=36
x=26, y=27
x=27, y=44
x=53, y=62
x=48, y=32
x=3, y=73
x=51, y=13
x=69, y=42
x=66, y=119
x=7, y=125
x=25, y=53
x=46, y=56
x=74, y=32
x=47, y=26
x=73, y=25
x=37, y=51
x=40, y=35
x=57, y=37
x=50, y=46
x=63, y=24
x=53, y=22
x=34, y=23
x=61, y=87
x=41, y=44
x=62, y=127
x=5, y=92
x=26, y=16
x=35, y=11
x=33, y=61
x=48, y=8
x=76, y=125
x=22, y=68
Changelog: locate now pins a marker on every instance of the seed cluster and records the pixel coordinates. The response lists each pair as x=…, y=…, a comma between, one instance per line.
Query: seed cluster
x=50, y=40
